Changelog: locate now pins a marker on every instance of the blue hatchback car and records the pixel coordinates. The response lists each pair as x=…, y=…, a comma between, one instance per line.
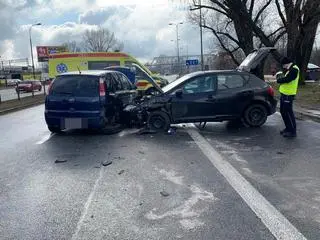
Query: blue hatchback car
x=87, y=99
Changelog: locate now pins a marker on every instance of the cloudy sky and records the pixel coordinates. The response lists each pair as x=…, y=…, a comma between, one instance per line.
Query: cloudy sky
x=141, y=24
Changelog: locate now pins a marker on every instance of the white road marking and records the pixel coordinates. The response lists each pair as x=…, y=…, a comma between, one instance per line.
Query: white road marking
x=45, y=138
x=87, y=205
x=278, y=225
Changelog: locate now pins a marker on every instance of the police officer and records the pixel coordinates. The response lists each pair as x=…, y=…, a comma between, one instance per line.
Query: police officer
x=288, y=81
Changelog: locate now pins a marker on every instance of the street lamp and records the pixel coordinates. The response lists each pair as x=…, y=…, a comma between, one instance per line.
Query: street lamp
x=36, y=24
x=177, y=31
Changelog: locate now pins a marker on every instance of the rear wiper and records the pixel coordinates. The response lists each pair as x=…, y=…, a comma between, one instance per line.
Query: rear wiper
x=63, y=92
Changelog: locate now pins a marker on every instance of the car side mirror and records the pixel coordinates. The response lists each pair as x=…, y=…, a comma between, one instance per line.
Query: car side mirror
x=179, y=93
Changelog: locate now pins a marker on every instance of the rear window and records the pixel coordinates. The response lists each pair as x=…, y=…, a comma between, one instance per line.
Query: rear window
x=79, y=85
x=100, y=65
x=231, y=81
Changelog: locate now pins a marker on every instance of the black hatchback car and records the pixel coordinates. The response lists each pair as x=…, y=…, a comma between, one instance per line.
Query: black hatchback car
x=215, y=96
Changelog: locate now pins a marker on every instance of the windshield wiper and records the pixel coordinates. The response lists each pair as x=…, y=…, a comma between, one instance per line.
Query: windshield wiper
x=67, y=93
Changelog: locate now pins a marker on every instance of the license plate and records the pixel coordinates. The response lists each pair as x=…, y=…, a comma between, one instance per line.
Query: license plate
x=73, y=123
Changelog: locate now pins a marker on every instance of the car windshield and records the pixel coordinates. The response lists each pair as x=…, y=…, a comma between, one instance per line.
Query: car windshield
x=80, y=85
x=177, y=82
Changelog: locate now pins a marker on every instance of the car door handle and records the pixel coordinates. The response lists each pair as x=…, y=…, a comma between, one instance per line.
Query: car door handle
x=246, y=93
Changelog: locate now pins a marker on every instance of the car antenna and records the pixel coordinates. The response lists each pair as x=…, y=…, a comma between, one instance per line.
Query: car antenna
x=79, y=69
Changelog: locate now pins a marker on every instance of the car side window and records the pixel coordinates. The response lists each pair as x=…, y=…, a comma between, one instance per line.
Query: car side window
x=200, y=84
x=230, y=81
x=117, y=82
x=124, y=81
x=109, y=83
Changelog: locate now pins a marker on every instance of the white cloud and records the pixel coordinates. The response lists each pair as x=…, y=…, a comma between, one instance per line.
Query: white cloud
x=142, y=27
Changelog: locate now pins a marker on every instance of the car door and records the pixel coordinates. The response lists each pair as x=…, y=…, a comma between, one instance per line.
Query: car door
x=232, y=93
x=196, y=101
x=129, y=88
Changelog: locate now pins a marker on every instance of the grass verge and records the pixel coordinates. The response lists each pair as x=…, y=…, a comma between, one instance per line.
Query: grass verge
x=25, y=102
x=308, y=95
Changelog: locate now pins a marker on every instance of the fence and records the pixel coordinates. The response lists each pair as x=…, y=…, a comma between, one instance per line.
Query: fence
x=11, y=93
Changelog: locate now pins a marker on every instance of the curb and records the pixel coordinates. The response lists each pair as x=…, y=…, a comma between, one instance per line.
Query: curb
x=10, y=110
x=304, y=116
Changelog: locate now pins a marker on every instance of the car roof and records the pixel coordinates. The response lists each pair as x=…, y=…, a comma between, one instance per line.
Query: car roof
x=198, y=73
x=88, y=72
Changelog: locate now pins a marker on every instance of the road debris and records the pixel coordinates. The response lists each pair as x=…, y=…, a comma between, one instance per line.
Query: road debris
x=121, y=172
x=280, y=152
x=96, y=166
x=141, y=152
x=164, y=193
x=60, y=160
x=107, y=163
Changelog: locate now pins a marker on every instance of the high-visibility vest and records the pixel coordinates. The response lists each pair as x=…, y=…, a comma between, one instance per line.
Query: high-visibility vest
x=291, y=87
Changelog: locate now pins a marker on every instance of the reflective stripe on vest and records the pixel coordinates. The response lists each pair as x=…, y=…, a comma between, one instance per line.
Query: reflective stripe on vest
x=291, y=87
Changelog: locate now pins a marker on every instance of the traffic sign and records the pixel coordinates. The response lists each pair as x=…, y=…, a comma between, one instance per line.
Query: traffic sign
x=192, y=62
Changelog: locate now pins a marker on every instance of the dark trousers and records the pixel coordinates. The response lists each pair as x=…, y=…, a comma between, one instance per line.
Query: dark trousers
x=287, y=114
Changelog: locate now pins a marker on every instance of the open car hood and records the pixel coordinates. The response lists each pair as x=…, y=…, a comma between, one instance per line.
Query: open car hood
x=255, y=59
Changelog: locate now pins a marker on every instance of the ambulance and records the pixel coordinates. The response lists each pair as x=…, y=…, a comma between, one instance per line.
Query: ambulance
x=68, y=62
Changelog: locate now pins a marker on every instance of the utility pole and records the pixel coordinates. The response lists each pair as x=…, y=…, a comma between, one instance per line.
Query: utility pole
x=36, y=24
x=201, y=40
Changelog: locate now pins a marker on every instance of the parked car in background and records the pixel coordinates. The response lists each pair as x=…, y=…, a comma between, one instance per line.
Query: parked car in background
x=29, y=86
x=92, y=99
x=214, y=96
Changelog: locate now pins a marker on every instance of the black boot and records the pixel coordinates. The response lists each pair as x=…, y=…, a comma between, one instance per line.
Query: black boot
x=283, y=131
x=289, y=134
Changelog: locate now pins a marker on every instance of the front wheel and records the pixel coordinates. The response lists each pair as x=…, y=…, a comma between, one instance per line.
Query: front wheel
x=255, y=115
x=159, y=121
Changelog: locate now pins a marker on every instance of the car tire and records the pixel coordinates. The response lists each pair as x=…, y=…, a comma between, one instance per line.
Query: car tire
x=255, y=115
x=158, y=121
x=40, y=88
x=54, y=129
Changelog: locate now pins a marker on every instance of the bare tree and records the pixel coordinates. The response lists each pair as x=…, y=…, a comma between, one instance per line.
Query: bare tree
x=100, y=40
x=301, y=19
x=297, y=20
x=72, y=46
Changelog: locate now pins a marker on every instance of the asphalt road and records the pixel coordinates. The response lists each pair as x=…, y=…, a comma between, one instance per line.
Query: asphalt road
x=79, y=198
x=10, y=94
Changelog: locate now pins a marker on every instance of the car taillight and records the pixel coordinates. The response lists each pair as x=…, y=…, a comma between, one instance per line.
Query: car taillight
x=102, y=88
x=50, y=86
x=271, y=91
x=142, y=84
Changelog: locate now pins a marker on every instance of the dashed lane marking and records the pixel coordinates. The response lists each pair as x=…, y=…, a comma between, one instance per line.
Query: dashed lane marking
x=86, y=206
